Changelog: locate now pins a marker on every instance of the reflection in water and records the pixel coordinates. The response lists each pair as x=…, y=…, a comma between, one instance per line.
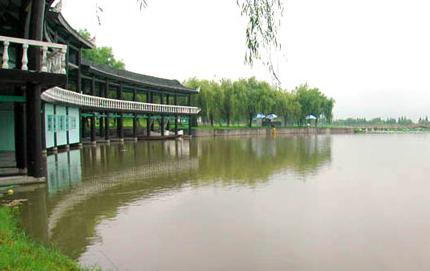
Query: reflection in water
x=253, y=160
x=64, y=170
x=92, y=185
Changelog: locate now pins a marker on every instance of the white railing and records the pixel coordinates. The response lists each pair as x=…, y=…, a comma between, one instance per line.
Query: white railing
x=63, y=96
x=53, y=55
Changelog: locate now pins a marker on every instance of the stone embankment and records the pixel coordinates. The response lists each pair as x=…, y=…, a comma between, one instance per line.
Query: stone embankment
x=269, y=131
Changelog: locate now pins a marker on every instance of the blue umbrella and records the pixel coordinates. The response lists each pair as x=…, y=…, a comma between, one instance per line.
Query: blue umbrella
x=311, y=117
x=260, y=116
x=272, y=116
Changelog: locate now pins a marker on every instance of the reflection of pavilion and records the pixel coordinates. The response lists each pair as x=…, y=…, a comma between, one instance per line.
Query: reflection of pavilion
x=114, y=176
x=64, y=170
x=67, y=164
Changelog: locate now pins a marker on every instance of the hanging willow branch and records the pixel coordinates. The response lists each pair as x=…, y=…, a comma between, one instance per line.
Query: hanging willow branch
x=262, y=29
x=142, y=4
x=264, y=20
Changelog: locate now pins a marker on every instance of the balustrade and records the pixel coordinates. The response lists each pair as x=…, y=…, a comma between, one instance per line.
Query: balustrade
x=59, y=95
x=53, y=55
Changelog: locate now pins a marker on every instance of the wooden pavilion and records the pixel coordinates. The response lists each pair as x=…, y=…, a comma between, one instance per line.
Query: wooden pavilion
x=50, y=97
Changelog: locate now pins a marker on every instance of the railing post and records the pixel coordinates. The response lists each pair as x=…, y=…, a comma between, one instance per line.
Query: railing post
x=24, y=66
x=5, y=64
x=63, y=60
x=44, y=67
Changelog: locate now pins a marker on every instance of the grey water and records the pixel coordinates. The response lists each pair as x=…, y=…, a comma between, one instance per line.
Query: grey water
x=340, y=202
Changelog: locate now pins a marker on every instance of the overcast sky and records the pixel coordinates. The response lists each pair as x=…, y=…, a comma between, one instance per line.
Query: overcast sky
x=371, y=56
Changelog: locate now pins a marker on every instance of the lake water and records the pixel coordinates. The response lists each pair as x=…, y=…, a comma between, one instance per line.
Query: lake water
x=341, y=202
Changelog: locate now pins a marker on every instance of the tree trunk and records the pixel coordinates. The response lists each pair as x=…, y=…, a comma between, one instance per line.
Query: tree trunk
x=250, y=120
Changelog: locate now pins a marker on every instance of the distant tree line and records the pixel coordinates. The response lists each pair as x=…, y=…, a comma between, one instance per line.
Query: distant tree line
x=401, y=121
x=227, y=102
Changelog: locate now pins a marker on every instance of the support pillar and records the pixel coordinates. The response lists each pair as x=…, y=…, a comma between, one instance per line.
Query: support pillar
x=107, y=135
x=101, y=126
x=135, y=125
x=162, y=125
x=106, y=126
x=189, y=116
x=93, y=118
x=135, y=119
x=168, y=119
x=148, y=126
x=176, y=124
x=175, y=101
x=149, y=122
x=34, y=131
x=101, y=119
x=189, y=124
x=93, y=129
x=119, y=122
x=83, y=125
x=162, y=117
x=32, y=93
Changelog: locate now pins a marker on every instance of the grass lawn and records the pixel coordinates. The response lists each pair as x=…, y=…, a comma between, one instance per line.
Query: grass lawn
x=19, y=252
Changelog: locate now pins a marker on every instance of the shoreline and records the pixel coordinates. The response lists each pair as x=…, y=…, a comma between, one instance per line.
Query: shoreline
x=19, y=252
x=213, y=132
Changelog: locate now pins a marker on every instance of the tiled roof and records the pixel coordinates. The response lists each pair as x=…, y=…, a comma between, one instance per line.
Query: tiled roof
x=145, y=80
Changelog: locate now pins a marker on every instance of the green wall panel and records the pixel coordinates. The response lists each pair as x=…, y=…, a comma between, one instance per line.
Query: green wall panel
x=61, y=125
x=49, y=126
x=74, y=124
x=7, y=130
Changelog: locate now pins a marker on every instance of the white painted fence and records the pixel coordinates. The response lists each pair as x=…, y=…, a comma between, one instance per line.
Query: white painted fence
x=57, y=95
x=53, y=54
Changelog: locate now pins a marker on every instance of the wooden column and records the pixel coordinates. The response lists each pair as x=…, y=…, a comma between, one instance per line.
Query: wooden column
x=134, y=117
x=168, y=121
x=107, y=134
x=101, y=119
x=83, y=119
x=34, y=131
x=162, y=117
x=119, y=123
x=93, y=118
x=148, y=120
x=33, y=92
x=175, y=101
x=189, y=117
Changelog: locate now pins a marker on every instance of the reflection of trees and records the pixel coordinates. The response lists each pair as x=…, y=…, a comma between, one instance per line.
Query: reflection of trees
x=116, y=175
x=253, y=160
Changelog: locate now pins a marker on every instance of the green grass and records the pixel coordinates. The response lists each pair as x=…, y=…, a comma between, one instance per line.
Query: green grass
x=18, y=252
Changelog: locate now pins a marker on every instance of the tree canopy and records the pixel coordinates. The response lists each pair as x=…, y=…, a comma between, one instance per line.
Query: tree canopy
x=236, y=102
x=101, y=55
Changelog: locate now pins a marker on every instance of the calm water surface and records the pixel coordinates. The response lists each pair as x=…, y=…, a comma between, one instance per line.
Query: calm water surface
x=347, y=202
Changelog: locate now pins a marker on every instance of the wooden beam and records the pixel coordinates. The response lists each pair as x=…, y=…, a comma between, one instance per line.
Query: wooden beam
x=46, y=80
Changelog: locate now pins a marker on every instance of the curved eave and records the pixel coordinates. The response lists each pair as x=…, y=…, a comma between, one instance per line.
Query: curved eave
x=159, y=87
x=75, y=34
